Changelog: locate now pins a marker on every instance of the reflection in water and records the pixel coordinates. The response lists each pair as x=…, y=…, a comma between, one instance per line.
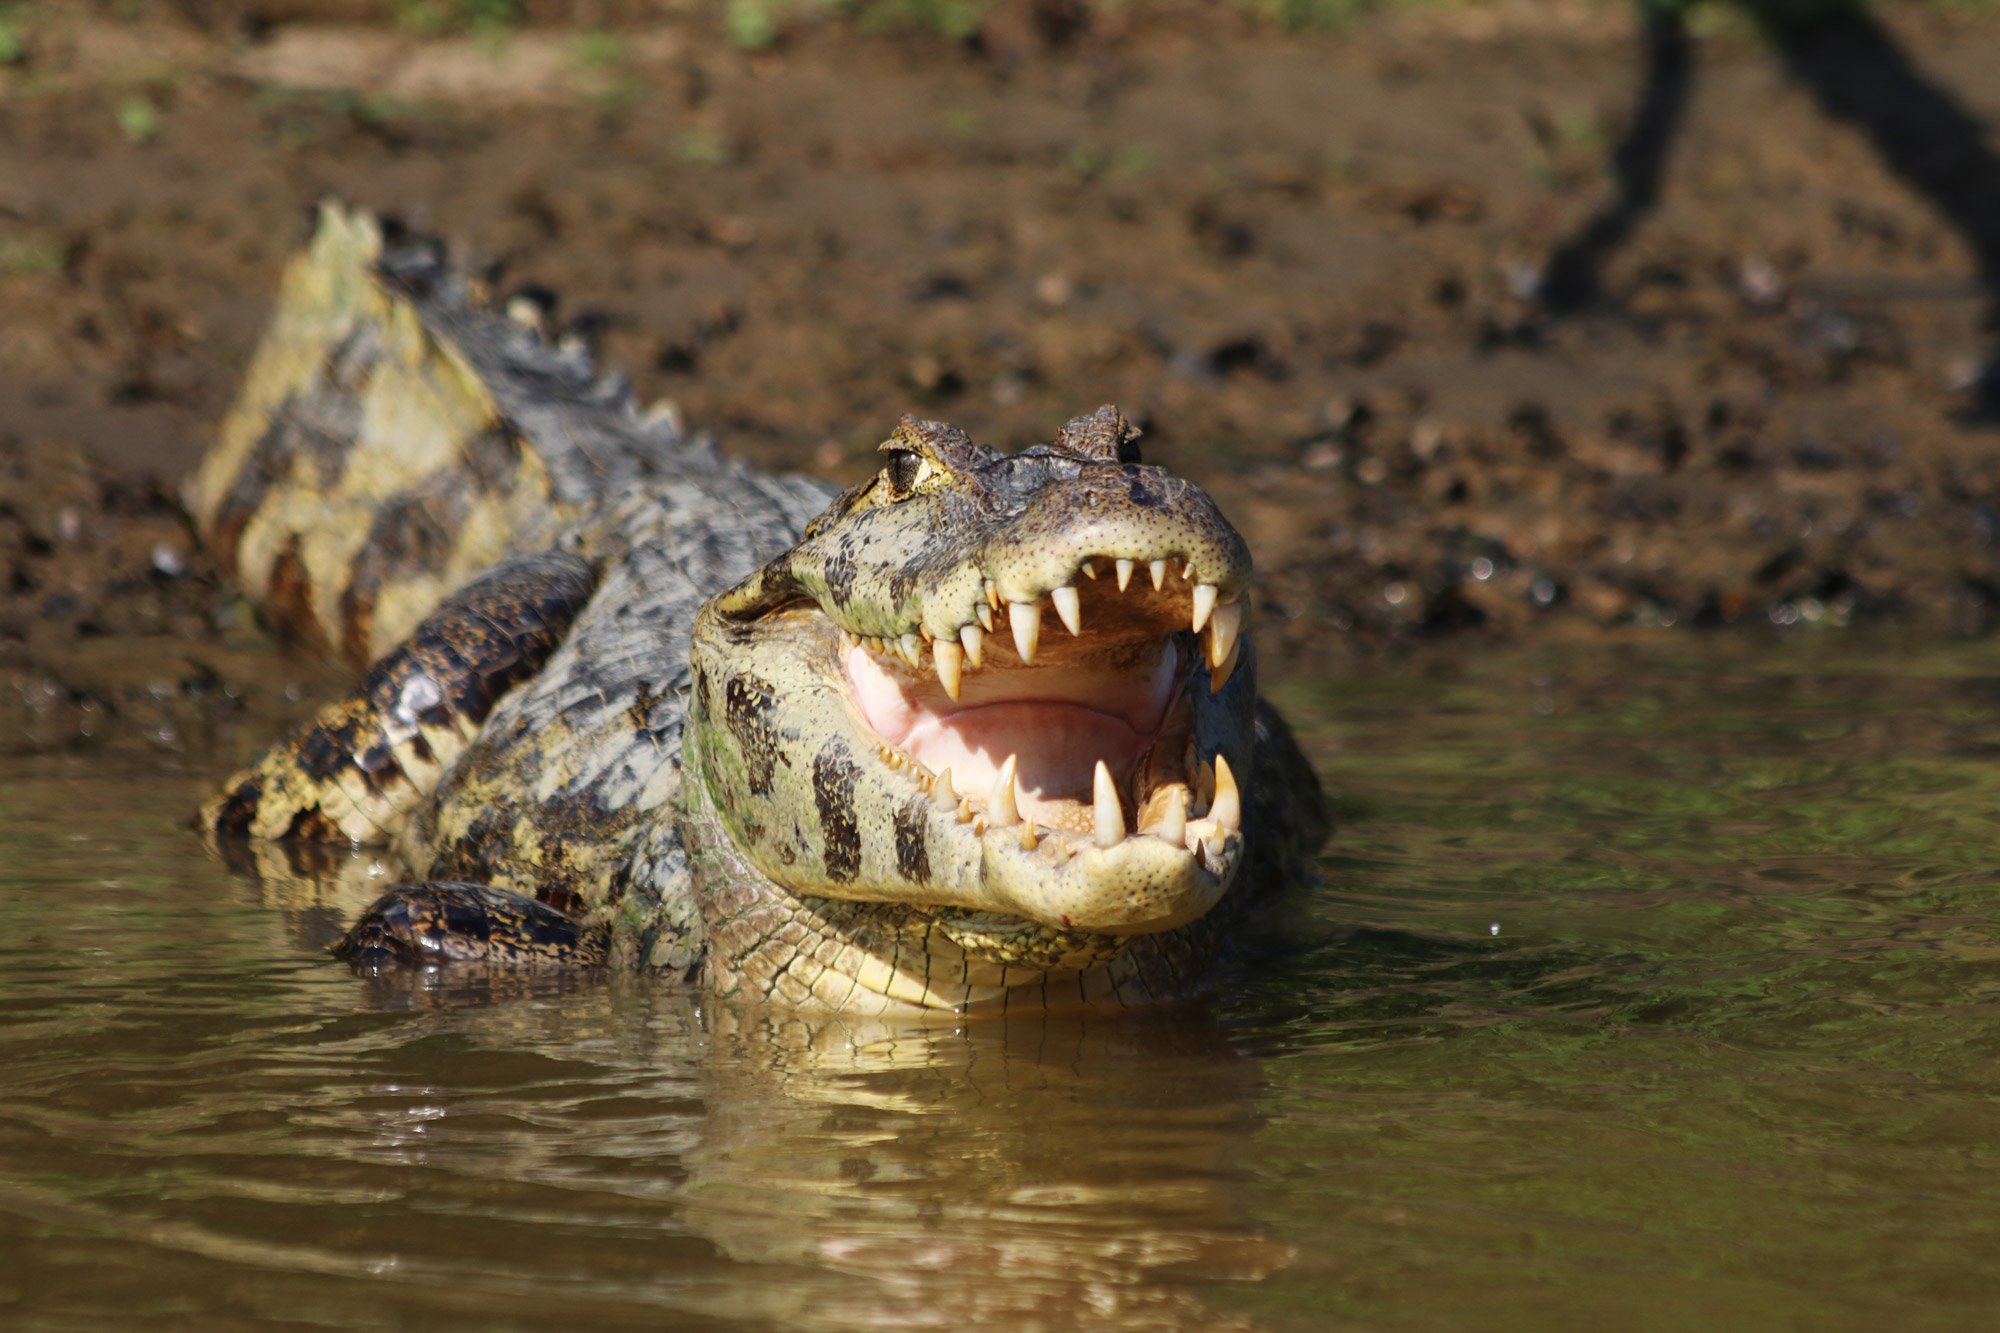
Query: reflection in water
x=1068, y=1171
x=1732, y=1057
x=1063, y=1172
x=241, y=1118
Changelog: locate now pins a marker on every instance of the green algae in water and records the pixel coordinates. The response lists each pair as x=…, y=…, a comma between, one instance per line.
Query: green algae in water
x=1643, y=987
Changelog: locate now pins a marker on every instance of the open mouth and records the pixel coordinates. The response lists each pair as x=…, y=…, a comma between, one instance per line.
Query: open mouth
x=1054, y=737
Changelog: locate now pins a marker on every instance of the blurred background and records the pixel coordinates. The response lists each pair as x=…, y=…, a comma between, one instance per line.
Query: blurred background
x=1500, y=318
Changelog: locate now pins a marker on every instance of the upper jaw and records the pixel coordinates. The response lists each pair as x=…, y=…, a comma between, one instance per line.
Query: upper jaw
x=1113, y=598
x=1021, y=554
x=1157, y=540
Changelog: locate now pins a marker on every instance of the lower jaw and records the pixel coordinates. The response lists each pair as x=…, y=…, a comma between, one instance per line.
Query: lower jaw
x=1140, y=885
x=1053, y=854
x=904, y=961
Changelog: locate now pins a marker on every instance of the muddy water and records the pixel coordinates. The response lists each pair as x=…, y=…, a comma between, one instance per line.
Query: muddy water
x=1646, y=987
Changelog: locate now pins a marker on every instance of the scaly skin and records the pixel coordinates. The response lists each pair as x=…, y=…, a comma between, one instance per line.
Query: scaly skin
x=684, y=724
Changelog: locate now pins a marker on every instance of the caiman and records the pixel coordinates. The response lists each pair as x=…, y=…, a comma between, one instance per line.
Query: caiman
x=634, y=705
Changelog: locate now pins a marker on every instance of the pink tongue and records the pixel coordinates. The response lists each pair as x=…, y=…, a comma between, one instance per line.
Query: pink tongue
x=1056, y=742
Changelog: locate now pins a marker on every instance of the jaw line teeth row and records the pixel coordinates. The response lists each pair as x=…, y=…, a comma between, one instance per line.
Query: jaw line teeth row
x=1024, y=619
x=1002, y=810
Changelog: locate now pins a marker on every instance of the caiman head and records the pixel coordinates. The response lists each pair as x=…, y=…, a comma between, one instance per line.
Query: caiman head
x=889, y=712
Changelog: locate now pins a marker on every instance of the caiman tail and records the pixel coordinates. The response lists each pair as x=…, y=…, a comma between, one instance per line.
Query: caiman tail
x=390, y=485
x=394, y=440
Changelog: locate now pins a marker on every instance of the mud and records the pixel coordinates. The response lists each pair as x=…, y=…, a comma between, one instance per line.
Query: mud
x=1317, y=266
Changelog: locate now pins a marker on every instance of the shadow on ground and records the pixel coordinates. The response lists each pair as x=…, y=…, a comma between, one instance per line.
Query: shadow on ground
x=1858, y=74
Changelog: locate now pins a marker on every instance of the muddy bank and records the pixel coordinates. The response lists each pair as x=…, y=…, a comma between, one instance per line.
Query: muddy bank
x=1314, y=264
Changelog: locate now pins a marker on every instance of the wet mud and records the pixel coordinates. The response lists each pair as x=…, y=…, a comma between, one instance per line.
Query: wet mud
x=1482, y=321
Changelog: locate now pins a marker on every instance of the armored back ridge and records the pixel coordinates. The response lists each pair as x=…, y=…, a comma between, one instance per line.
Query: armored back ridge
x=632, y=706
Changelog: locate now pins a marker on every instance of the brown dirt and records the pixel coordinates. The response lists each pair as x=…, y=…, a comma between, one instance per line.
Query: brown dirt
x=1305, y=261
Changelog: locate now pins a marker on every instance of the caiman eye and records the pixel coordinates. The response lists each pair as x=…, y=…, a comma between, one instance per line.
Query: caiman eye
x=906, y=471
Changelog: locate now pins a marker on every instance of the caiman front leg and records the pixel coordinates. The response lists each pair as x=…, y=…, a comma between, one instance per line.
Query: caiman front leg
x=445, y=921
x=360, y=770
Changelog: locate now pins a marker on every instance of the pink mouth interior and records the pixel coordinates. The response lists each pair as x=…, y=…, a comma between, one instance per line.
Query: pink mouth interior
x=1057, y=719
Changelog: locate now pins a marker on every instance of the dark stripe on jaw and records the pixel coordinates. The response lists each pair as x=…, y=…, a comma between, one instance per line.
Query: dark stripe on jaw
x=913, y=856
x=834, y=775
x=747, y=705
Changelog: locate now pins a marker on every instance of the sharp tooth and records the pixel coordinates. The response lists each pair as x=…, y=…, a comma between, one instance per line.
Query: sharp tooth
x=1211, y=852
x=1124, y=574
x=1025, y=619
x=985, y=614
x=1070, y=607
x=1089, y=570
x=1174, y=826
x=1110, y=819
x=1204, y=602
x=1158, y=569
x=949, y=659
x=1028, y=838
x=942, y=796
x=992, y=594
x=1227, y=807
x=912, y=648
x=1224, y=624
x=1218, y=676
x=1000, y=807
x=974, y=640
x=1187, y=574
x=965, y=809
